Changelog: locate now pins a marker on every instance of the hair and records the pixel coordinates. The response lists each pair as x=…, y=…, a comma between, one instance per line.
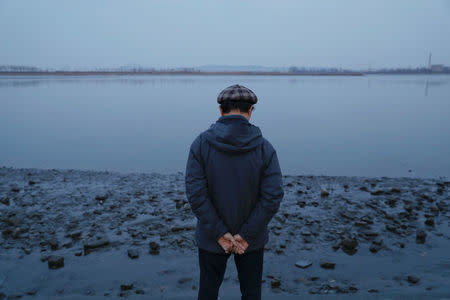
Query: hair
x=242, y=106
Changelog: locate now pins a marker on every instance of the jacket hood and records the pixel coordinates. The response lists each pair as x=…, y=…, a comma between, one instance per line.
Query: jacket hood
x=234, y=133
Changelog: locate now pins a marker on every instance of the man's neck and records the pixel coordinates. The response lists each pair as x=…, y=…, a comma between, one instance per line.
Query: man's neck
x=237, y=113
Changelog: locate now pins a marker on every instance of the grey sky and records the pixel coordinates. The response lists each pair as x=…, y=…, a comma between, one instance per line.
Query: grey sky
x=182, y=33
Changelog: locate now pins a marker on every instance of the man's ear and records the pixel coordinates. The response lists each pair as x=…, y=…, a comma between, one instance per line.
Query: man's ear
x=221, y=112
x=250, y=111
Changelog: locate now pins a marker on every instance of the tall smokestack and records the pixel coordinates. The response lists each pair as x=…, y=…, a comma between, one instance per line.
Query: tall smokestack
x=429, y=61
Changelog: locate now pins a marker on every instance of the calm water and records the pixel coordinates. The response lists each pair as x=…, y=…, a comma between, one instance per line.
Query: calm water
x=370, y=126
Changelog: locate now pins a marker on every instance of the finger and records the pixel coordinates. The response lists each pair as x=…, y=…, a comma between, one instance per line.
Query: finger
x=241, y=246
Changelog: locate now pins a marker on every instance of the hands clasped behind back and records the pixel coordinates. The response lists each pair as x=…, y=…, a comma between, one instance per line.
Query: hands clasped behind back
x=235, y=244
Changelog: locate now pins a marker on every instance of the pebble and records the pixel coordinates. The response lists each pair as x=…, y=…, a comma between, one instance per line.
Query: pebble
x=327, y=264
x=55, y=262
x=303, y=263
x=94, y=244
x=126, y=286
x=324, y=193
x=429, y=221
x=349, y=245
x=421, y=236
x=133, y=253
x=5, y=201
x=275, y=283
x=154, y=248
x=413, y=279
x=54, y=245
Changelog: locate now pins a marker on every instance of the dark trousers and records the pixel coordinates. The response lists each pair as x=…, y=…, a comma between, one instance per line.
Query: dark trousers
x=212, y=269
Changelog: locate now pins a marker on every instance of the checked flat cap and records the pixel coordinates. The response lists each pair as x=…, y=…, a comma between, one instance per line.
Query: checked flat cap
x=237, y=93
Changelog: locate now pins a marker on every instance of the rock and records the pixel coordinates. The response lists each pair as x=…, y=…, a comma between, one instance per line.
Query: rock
x=395, y=191
x=94, y=244
x=26, y=250
x=126, y=286
x=442, y=206
x=336, y=246
x=154, y=248
x=327, y=264
x=68, y=244
x=361, y=223
x=392, y=202
x=140, y=292
x=421, y=236
x=392, y=228
x=78, y=253
x=14, y=221
x=370, y=233
x=408, y=207
x=7, y=232
x=5, y=201
x=16, y=296
x=184, y=280
x=305, y=232
x=31, y=182
x=55, y=262
x=177, y=228
x=413, y=279
x=75, y=235
x=377, y=192
x=347, y=214
x=101, y=198
x=133, y=253
x=324, y=193
x=303, y=263
x=429, y=221
x=16, y=232
x=378, y=241
x=349, y=245
x=53, y=242
x=32, y=292
x=374, y=248
x=15, y=189
x=275, y=283
x=427, y=197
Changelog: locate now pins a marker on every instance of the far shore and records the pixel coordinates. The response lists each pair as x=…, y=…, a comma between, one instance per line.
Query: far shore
x=90, y=73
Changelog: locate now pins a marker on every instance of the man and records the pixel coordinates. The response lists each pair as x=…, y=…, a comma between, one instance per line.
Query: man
x=234, y=186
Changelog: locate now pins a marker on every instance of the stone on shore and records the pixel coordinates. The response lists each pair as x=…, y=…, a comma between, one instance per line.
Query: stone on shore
x=55, y=262
x=94, y=244
x=303, y=263
x=327, y=264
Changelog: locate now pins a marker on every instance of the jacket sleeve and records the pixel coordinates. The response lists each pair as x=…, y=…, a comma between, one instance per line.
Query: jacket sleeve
x=198, y=196
x=270, y=195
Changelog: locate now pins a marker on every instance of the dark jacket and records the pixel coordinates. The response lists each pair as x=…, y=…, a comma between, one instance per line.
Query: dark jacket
x=233, y=183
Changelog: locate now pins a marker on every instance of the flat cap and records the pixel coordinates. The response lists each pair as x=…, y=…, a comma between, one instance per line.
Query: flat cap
x=237, y=93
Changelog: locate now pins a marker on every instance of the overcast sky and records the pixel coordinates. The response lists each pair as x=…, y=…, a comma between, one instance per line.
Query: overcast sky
x=183, y=33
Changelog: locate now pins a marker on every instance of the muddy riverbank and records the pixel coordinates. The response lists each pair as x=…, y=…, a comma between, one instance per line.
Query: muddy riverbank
x=69, y=234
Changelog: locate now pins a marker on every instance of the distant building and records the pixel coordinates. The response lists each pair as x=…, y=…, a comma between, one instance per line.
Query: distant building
x=437, y=68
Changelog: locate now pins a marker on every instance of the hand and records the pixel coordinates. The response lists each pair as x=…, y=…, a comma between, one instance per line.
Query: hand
x=227, y=242
x=240, y=244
